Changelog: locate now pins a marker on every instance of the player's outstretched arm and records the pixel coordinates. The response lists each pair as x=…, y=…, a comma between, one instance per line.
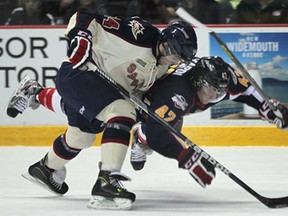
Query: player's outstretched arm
x=80, y=44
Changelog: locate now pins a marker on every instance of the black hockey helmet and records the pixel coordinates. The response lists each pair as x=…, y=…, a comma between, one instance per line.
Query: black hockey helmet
x=214, y=71
x=213, y=74
x=181, y=39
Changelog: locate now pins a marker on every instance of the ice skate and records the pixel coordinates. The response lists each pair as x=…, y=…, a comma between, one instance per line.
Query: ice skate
x=50, y=180
x=109, y=193
x=138, y=150
x=24, y=96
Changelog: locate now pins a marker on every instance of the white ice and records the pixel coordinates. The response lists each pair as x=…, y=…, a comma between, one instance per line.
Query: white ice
x=161, y=188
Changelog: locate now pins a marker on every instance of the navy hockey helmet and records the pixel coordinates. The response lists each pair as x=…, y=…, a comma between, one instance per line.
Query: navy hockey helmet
x=181, y=39
x=212, y=74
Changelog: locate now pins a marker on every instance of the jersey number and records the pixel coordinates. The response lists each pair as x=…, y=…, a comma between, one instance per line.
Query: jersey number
x=165, y=113
x=111, y=23
x=242, y=79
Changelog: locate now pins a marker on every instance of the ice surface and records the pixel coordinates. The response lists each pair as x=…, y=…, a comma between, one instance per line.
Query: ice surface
x=161, y=188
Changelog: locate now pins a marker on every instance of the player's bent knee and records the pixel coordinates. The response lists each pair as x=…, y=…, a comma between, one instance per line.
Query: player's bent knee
x=78, y=139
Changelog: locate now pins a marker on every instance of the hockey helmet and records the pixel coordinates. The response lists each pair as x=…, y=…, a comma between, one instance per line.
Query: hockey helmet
x=212, y=74
x=181, y=39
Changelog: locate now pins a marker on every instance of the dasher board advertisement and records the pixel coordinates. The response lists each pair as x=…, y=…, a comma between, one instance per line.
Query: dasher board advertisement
x=265, y=56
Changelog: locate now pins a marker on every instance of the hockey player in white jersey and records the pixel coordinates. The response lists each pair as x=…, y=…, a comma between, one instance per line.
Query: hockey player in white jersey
x=132, y=52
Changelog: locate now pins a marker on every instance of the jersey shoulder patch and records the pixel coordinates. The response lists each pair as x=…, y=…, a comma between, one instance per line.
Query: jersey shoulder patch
x=133, y=30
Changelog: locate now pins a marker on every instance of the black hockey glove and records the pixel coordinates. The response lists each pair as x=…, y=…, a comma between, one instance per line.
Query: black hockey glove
x=278, y=117
x=198, y=167
x=80, y=47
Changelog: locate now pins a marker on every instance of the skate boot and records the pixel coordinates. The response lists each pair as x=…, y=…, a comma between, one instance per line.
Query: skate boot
x=109, y=193
x=24, y=96
x=138, y=151
x=53, y=181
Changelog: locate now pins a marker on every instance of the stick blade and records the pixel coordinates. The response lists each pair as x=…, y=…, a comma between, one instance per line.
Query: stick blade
x=281, y=202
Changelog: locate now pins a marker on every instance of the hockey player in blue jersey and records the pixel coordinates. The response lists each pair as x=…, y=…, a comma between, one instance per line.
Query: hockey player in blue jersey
x=135, y=54
x=192, y=88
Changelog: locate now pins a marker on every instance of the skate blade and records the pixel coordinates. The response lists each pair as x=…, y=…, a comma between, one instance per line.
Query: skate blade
x=100, y=202
x=38, y=182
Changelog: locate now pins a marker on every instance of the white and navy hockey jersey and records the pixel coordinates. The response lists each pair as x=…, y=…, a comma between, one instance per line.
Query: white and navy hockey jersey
x=124, y=48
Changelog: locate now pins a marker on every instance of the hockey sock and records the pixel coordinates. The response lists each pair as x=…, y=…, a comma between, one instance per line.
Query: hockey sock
x=50, y=99
x=60, y=153
x=115, y=142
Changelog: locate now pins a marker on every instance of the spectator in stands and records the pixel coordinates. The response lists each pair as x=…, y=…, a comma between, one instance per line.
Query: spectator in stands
x=120, y=7
x=30, y=12
x=261, y=11
x=154, y=11
x=134, y=8
x=226, y=9
x=68, y=7
x=206, y=11
x=6, y=6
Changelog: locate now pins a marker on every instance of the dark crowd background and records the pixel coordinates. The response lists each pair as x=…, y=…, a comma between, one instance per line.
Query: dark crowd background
x=58, y=12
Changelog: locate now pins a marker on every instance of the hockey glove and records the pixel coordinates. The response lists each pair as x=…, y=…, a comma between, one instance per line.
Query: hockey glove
x=198, y=167
x=278, y=117
x=80, y=47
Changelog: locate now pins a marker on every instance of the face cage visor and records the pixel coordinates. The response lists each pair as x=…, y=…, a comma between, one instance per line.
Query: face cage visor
x=170, y=52
x=212, y=94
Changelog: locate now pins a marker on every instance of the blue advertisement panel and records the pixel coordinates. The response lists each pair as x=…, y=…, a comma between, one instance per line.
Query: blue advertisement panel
x=265, y=56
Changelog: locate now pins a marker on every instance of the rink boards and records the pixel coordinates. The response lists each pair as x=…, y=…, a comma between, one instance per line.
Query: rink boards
x=201, y=135
x=40, y=51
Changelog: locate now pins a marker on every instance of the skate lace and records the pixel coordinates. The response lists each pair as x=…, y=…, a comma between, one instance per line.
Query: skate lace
x=117, y=184
x=145, y=148
x=137, y=153
x=20, y=103
x=54, y=183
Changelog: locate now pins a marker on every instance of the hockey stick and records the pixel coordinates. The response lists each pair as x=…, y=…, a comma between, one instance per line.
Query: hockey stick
x=269, y=202
x=190, y=19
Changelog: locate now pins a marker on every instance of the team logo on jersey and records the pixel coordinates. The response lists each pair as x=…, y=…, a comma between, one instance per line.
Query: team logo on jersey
x=136, y=28
x=179, y=102
x=133, y=75
x=82, y=110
